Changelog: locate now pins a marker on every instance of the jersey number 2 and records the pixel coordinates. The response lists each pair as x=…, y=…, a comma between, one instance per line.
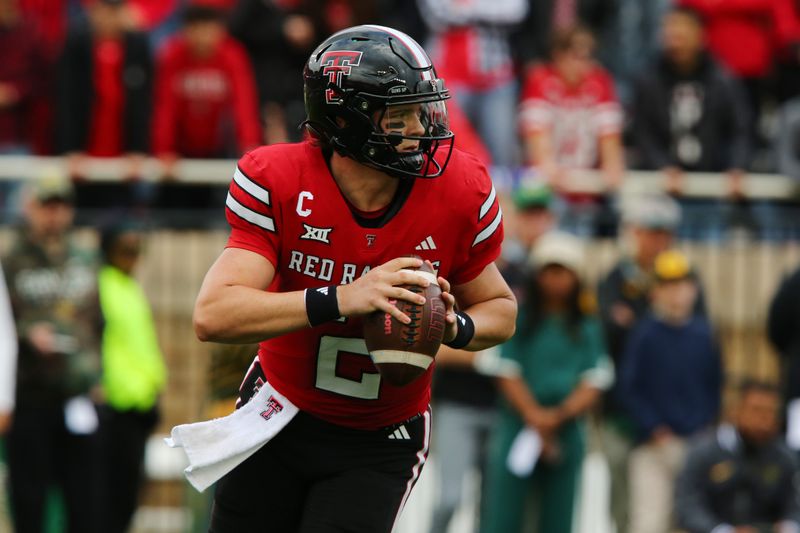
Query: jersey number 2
x=366, y=388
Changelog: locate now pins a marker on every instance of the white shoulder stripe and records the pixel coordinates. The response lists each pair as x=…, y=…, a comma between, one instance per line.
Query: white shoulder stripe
x=254, y=189
x=487, y=204
x=249, y=215
x=488, y=230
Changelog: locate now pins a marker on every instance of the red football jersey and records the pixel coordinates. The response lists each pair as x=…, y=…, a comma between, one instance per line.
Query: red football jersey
x=284, y=204
x=576, y=116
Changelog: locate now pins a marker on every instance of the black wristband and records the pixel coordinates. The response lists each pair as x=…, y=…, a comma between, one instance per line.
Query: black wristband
x=465, y=330
x=321, y=305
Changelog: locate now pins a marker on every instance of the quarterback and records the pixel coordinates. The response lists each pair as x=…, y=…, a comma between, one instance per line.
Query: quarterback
x=321, y=234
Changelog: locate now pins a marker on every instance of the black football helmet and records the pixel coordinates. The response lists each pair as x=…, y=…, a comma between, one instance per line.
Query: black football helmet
x=371, y=93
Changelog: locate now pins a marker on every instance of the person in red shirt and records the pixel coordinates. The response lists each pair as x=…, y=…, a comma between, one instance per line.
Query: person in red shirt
x=320, y=236
x=205, y=101
x=570, y=120
x=103, y=97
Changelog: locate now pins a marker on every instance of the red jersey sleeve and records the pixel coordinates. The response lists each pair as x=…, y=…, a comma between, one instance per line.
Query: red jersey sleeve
x=483, y=217
x=251, y=208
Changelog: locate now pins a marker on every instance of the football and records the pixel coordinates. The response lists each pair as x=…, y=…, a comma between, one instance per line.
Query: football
x=403, y=352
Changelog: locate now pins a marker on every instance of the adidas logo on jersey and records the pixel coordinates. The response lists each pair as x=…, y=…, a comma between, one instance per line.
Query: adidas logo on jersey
x=400, y=433
x=427, y=244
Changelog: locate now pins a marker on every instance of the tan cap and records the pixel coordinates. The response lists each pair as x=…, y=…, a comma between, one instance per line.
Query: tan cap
x=559, y=248
x=53, y=186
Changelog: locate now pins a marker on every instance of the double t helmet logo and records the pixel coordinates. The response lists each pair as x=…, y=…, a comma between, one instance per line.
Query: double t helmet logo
x=335, y=64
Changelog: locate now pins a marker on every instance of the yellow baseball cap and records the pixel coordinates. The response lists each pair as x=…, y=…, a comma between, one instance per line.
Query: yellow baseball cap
x=672, y=265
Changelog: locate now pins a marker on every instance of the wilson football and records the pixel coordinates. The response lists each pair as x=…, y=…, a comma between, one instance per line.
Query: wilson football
x=403, y=352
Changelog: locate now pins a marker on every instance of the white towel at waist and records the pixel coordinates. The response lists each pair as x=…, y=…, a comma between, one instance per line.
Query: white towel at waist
x=215, y=447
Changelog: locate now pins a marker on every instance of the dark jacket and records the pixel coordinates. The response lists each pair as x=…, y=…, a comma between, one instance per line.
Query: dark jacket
x=75, y=82
x=671, y=376
x=674, y=114
x=723, y=482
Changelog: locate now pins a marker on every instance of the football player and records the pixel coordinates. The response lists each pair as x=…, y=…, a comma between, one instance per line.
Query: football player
x=321, y=234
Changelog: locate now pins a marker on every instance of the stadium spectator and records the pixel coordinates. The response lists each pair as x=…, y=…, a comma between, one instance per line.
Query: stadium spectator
x=54, y=436
x=533, y=40
x=206, y=104
x=637, y=43
x=688, y=115
x=559, y=347
x=747, y=36
x=670, y=384
x=465, y=400
x=133, y=373
x=571, y=121
x=279, y=36
x=741, y=478
x=532, y=217
x=157, y=18
x=21, y=69
x=470, y=44
x=649, y=224
x=104, y=89
x=103, y=84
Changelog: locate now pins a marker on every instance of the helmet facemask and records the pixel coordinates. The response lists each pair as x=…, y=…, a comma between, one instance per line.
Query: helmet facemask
x=407, y=137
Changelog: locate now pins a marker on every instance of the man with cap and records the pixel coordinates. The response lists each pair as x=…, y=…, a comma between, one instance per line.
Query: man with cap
x=53, y=437
x=670, y=382
x=742, y=478
x=532, y=217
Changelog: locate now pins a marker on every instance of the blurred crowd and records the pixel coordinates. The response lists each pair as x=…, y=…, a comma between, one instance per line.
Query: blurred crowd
x=630, y=369
x=551, y=88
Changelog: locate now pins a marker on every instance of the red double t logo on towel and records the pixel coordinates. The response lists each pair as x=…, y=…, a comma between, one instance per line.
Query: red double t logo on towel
x=273, y=407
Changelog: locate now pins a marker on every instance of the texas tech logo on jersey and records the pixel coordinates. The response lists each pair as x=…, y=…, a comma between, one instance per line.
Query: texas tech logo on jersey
x=335, y=64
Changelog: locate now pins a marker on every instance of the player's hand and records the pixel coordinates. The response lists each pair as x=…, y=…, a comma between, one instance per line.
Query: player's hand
x=42, y=337
x=675, y=181
x=661, y=436
x=551, y=451
x=451, y=327
x=376, y=290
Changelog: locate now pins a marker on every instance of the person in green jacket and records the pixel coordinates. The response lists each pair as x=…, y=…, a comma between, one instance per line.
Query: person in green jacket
x=564, y=367
x=133, y=372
